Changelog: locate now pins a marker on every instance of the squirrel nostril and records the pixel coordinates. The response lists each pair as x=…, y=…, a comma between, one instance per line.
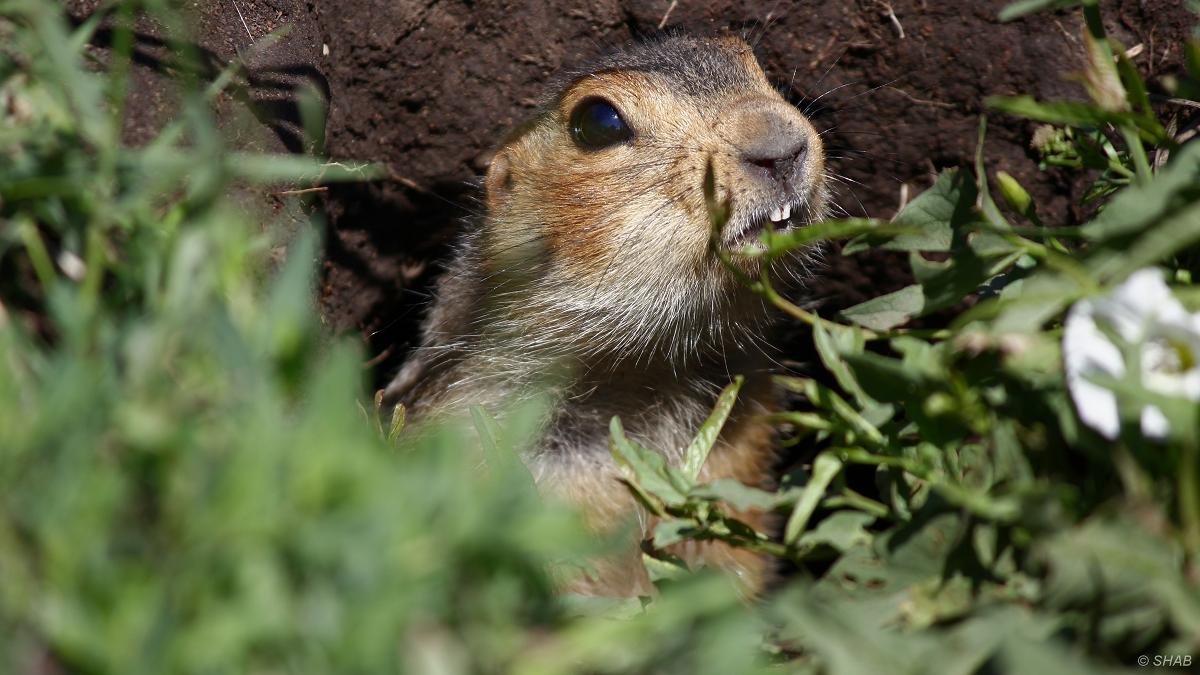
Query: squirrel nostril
x=779, y=165
x=770, y=164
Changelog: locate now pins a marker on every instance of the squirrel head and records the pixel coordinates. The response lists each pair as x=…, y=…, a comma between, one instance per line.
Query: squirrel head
x=596, y=209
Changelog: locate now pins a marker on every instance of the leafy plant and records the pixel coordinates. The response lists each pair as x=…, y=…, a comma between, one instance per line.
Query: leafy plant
x=186, y=483
x=967, y=511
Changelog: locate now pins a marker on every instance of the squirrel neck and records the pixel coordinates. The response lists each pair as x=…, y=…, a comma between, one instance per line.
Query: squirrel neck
x=504, y=337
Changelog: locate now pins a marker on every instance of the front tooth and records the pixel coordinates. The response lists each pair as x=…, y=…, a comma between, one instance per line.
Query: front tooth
x=775, y=216
x=787, y=212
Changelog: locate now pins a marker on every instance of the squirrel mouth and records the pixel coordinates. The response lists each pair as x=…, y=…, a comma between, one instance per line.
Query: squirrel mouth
x=746, y=234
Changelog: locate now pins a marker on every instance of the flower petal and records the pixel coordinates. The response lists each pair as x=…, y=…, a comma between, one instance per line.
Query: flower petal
x=1087, y=351
x=1154, y=423
x=1139, y=301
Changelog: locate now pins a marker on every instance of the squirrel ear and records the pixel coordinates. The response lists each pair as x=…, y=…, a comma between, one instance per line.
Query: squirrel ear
x=499, y=180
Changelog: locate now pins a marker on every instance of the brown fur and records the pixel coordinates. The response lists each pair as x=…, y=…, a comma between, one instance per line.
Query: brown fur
x=591, y=281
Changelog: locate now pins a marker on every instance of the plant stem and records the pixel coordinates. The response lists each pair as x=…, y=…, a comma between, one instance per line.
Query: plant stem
x=1117, y=167
x=1141, y=163
x=826, y=467
x=861, y=456
x=855, y=500
x=1189, y=499
x=39, y=257
x=763, y=287
x=1051, y=258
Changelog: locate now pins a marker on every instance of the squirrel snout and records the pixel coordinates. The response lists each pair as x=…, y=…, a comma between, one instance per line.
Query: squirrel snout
x=772, y=140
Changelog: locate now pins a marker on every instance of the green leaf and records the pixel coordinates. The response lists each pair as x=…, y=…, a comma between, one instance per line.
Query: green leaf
x=842, y=530
x=1147, y=224
x=921, y=382
x=259, y=168
x=1020, y=9
x=1117, y=564
x=844, y=643
x=664, y=567
x=486, y=427
x=935, y=214
x=1025, y=305
x=1028, y=656
x=1003, y=509
x=831, y=343
x=1078, y=114
x=827, y=399
x=922, y=357
x=1135, y=89
x=825, y=468
x=718, y=210
x=673, y=531
x=987, y=206
x=937, y=600
x=697, y=451
x=1136, y=207
x=943, y=216
x=291, y=327
x=855, y=617
x=647, y=470
x=1175, y=233
x=945, y=283
x=1011, y=464
x=611, y=609
x=888, y=311
x=399, y=416
x=887, y=379
x=991, y=245
x=740, y=496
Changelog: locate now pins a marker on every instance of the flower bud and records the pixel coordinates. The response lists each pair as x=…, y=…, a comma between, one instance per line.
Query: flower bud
x=1015, y=194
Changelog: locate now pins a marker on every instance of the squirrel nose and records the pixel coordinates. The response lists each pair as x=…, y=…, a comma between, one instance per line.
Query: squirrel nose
x=778, y=157
x=774, y=141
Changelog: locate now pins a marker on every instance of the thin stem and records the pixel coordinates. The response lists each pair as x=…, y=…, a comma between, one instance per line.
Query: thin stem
x=768, y=291
x=39, y=257
x=723, y=528
x=1117, y=167
x=855, y=500
x=1053, y=259
x=763, y=287
x=1189, y=499
x=94, y=264
x=1137, y=151
x=861, y=456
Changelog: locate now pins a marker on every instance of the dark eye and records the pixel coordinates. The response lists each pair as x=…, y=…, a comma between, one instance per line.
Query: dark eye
x=595, y=124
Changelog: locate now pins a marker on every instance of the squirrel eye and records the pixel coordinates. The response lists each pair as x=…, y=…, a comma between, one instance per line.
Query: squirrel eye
x=595, y=124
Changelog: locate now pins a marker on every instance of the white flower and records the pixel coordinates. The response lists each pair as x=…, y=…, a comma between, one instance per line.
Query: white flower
x=1143, y=313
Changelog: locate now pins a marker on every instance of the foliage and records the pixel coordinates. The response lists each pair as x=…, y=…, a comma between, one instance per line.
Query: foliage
x=186, y=482
x=187, y=485
x=966, y=511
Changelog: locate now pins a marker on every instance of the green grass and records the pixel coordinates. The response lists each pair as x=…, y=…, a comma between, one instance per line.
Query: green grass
x=188, y=481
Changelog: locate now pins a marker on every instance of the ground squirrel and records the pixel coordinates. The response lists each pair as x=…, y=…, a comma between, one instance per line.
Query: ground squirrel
x=591, y=276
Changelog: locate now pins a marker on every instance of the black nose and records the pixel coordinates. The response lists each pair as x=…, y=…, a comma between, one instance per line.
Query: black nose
x=778, y=155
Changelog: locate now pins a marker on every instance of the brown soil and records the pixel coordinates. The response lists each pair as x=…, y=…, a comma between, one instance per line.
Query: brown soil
x=427, y=87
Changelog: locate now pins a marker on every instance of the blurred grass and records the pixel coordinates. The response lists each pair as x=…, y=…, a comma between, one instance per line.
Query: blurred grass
x=188, y=483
